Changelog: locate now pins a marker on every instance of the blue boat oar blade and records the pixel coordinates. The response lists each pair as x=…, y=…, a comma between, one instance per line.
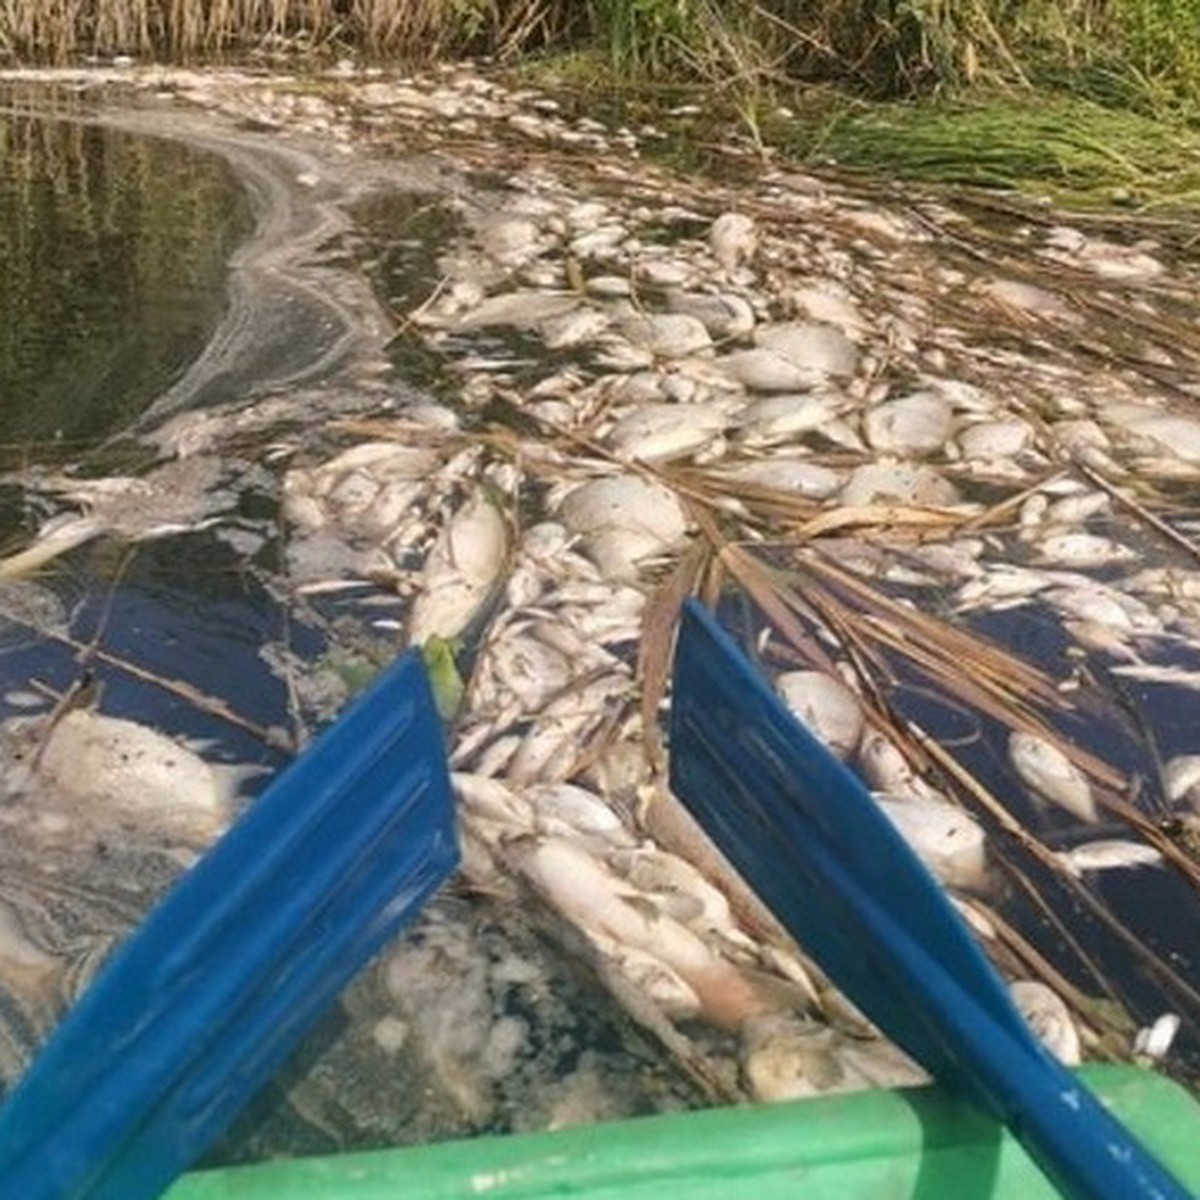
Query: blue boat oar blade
x=198, y=1008
x=1066, y=1130
x=749, y=770
x=807, y=837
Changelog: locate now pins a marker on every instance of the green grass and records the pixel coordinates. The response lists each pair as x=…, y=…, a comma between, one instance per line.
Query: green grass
x=1075, y=150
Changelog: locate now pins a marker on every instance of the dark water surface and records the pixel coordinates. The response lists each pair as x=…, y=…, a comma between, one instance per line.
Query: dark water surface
x=113, y=252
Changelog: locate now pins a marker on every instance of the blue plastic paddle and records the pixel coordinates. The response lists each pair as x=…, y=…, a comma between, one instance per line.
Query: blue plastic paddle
x=809, y=839
x=196, y=1011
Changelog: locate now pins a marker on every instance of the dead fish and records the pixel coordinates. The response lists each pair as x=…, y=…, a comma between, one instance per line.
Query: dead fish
x=663, y=432
x=1181, y=777
x=1102, y=605
x=763, y=370
x=1102, y=639
x=724, y=315
x=826, y=705
x=682, y=891
x=829, y=302
x=53, y=541
x=1028, y=300
x=786, y=1057
x=902, y=482
x=565, y=810
x=788, y=475
x=1156, y=673
x=1155, y=1041
x=887, y=770
x=575, y=328
x=996, y=439
x=461, y=571
x=788, y=416
x=820, y=350
x=666, y=335
x=492, y=801
x=518, y=668
x=947, y=839
x=1113, y=854
x=623, y=519
x=1176, y=435
x=109, y=771
x=1077, y=508
x=733, y=239
x=367, y=488
x=1082, y=550
x=1049, y=1019
x=618, y=917
x=910, y=426
x=1051, y=775
x=1002, y=586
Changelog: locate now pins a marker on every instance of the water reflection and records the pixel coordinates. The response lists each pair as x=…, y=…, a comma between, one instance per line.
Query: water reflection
x=113, y=253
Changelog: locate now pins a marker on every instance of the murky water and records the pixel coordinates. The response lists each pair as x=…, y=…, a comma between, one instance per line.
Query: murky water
x=470, y=1025
x=113, y=252
x=397, y=240
x=114, y=257
x=124, y=248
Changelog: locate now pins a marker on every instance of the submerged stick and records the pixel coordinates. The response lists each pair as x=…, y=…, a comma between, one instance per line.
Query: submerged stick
x=212, y=705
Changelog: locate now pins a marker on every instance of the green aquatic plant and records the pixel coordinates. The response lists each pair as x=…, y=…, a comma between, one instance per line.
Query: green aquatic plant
x=448, y=687
x=643, y=36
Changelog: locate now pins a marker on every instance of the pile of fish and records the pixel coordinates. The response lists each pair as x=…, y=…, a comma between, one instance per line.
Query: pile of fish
x=885, y=420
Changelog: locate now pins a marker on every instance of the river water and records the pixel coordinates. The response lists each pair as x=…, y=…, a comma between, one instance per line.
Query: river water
x=288, y=341
x=113, y=252
x=159, y=291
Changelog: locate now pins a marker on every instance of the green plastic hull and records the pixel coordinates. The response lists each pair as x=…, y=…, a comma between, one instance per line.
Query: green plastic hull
x=885, y=1145
x=915, y=1144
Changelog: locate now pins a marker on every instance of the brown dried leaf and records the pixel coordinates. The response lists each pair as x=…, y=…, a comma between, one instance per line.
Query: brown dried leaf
x=657, y=644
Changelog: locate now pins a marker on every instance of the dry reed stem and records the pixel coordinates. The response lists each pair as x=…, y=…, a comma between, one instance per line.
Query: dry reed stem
x=656, y=644
x=1142, y=513
x=761, y=585
x=59, y=30
x=1059, y=925
x=1039, y=965
x=952, y=769
x=211, y=705
x=1002, y=674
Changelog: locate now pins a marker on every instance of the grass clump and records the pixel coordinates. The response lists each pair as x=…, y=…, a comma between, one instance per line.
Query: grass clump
x=1144, y=53
x=1076, y=150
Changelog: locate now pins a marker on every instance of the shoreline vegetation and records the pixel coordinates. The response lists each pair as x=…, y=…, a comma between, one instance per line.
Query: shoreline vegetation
x=1094, y=102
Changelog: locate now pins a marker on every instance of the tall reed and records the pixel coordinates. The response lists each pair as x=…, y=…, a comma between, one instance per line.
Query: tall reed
x=59, y=30
x=1143, y=53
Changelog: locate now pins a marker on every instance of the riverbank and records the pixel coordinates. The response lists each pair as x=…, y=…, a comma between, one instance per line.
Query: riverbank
x=1097, y=102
